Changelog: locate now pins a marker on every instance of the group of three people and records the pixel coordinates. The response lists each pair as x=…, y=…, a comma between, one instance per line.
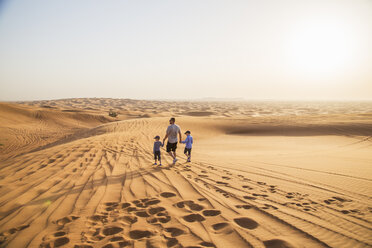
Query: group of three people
x=172, y=133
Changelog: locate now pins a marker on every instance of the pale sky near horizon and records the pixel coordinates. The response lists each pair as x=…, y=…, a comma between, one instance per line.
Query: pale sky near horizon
x=264, y=49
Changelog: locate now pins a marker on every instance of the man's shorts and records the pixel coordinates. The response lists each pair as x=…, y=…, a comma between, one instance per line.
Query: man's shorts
x=157, y=155
x=171, y=147
x=188, y=151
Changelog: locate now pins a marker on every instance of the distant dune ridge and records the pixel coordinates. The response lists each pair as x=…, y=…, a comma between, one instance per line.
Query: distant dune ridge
x=263, y=174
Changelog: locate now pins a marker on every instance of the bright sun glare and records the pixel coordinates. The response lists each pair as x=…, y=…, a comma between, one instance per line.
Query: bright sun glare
x=321, y=48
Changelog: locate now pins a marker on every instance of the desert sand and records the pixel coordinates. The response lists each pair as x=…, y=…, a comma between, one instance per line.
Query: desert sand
x=263, y=174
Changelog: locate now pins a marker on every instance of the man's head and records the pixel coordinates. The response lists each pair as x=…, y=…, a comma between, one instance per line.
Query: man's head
x=172, y=120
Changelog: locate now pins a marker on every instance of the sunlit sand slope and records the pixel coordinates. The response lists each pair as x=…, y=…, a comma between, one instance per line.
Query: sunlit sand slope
x=24, y=128
x=100, y=189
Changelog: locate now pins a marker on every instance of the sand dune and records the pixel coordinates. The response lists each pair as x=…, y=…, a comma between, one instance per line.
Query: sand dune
x=271, y=181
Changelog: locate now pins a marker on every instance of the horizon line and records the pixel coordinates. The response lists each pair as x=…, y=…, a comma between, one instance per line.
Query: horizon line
x=203, y=99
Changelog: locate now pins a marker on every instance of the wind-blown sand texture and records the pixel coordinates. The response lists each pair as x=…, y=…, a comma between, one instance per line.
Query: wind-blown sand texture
x=263, y=174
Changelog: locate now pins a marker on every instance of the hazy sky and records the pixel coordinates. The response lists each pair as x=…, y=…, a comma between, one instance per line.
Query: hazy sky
x=262, y=49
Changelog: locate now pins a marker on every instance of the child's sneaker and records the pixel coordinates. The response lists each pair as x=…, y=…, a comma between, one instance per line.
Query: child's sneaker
x=160, y=164
x=188, y=160
x=155, y=163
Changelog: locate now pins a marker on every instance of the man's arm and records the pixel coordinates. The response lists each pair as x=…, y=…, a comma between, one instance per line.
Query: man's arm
x=179, y=132
x=165, y=137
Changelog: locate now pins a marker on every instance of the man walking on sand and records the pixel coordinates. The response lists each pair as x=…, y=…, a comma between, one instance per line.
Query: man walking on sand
x=171, y=134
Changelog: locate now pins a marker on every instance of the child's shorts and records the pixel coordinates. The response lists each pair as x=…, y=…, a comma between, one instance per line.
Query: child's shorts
x=188, y=151
x=157, y=155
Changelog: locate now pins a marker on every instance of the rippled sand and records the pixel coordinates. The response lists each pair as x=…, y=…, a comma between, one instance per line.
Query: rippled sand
x=263, y=174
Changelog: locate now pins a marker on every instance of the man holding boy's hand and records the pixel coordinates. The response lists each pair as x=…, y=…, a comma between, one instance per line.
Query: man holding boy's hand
x=171, y=134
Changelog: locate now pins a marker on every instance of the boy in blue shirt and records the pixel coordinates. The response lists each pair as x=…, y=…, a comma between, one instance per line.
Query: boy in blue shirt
x=157, y=145
x=188, y=141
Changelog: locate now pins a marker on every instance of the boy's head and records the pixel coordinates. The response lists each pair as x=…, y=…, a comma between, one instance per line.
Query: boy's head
x=157, y=137
x=187, y=133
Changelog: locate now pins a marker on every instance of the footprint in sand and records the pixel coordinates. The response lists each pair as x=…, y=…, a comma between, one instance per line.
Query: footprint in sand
x=193, y=218
x=58, y=234
x=223, y=192
x=150, y=201
x=263, y=195
x=142, y=214
x=55, y=243
x=117, y=238
x=9, y=232
x=171, y=242
x=155, y=210
x=272, y=188
x=157, y=214
x=247, y=187
x=111, y=206
x=268, y=206
x=14, y=230
x=207, y=244
x=131, y=209
x=66, y=220
x=5, y=235
x=249, y=197
x=245, y=222
x=128, y=219
x=111, y=230
x=338, y=201
x=174, y=231
x=245, y=206
x=289, y=195
x=96, y=218
x=222, y=228
x=125, y=205
x=61, y=241
x=116, y=244
x=190, y=205
x=139, y=234
x=222, y=183
x=277, y=243
x=22, y=227
x=93, y=235
x=341, y=199
x=82, y=246
x=211, y=212
x=167, y=194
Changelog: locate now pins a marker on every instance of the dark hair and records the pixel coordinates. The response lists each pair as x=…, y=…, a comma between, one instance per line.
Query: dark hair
x=172, y=119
